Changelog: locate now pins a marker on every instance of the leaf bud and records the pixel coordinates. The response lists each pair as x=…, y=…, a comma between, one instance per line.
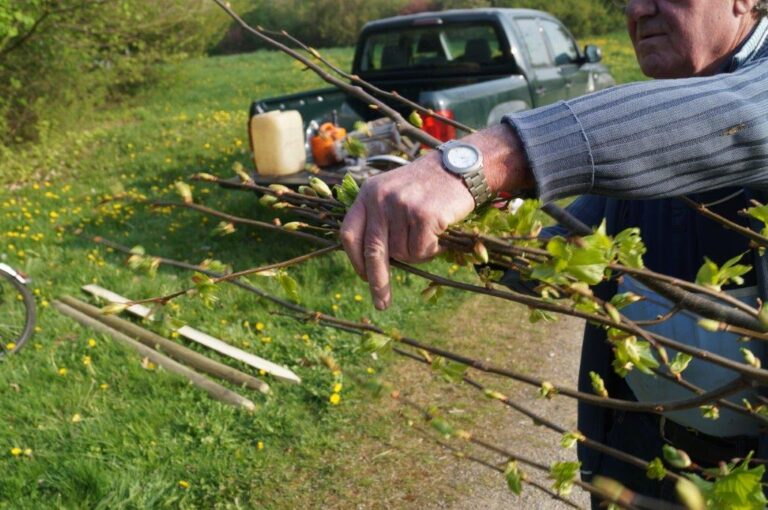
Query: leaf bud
x=279, y=189
x=481, y=251
x=294, y=225
x=690, y=495
x=268, y=200
x=709, y=325
x=202, y=176
x=750, y=357
x=114, y=308
x=320, y=187
x=676, y=458
x=415, y=119
x=308, y=191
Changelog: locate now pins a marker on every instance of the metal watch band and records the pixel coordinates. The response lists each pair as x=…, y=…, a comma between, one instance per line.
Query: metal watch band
x=475, y=181
x=478, y=187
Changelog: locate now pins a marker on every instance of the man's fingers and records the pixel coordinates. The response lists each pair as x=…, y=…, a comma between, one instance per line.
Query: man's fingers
x=422, y=241
x=376, y=254
x=353, y=236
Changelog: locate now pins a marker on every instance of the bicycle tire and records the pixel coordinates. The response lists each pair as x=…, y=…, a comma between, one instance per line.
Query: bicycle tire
x=15, y=335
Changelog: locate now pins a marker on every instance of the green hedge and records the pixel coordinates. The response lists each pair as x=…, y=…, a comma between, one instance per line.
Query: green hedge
x=61, y=59
x=328, y=23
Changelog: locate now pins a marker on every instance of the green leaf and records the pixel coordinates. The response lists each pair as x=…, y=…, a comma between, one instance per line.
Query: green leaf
x=656, y=470
x=625, y=299
x=538, y=315
x=714, y=277
x=451, y=371
x=629, y=353
x=432, y=293
x=514, y=477
x=442, y=426
x=735, y=487
x=547, y=390
x=710, y=412
x=570, y=439
x=347, y=191
x=375, y=342
x=630, y=248
x=289, y=285
x=750, y=357
x=355, y=147
x=564, y=474
x=680, y=363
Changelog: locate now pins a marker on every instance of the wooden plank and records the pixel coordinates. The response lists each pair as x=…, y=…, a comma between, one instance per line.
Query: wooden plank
x=209, y=341
x=214, y=389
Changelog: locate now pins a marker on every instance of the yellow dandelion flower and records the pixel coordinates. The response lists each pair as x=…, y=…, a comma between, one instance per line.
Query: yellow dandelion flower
x=358, y=297
x=10, y=346
x=335, y=399
x=260, y=445
x=305, y=337
x=335, y=307
x=262, y=371
x=16, y=451
x=266, y=339
x=86, y=360
x=337, y=388
x=337, y=296
x=184, y=484
x=63, y=371
x=104, y=386
x=76, y=418
x=370, y=370
x=260, y=326
x=91, y=342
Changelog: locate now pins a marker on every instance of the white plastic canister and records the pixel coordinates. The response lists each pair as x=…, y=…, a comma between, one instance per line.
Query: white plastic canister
x=278, y=142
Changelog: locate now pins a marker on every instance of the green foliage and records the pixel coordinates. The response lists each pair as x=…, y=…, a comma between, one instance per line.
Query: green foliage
x=449, y=370
x=514, y=477
x=736, y=487
x=564, y=474
x=675, y=458
x=100, y=50
x=347, y=191
x=680, y=363
x=289, y=285
x=630, y=353
x=569, y=439
x=714, y=277
x=584, y=261
x=656, y=470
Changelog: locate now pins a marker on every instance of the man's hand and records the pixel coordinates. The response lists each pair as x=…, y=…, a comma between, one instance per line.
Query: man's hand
x=401, y=213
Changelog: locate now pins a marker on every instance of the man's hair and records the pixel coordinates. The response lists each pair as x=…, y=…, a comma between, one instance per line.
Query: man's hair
x=761, y=8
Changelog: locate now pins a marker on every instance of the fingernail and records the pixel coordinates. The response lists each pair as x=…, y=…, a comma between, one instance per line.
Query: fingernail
x=379, y=304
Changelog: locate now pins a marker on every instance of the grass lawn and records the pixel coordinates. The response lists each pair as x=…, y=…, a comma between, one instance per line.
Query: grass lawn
x=99, y=429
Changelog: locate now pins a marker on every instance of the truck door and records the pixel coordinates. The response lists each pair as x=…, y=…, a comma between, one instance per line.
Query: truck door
x=547, y=81
x=566, y=56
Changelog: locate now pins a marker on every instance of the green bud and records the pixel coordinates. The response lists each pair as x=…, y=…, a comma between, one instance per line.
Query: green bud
x=570, y=439
x=690, y=495
x=320, y=187
x=613, y=312
x=279, y=189
x=202, y=176
x=268, y=200
x=750, y=357
x=294, y=225
x=547, y=390
x=656, y=470
x=238, y=168
x=415, y=119
x=676, y=458
x=598, y=385
x=710, y=412
x=495, y=395
x=481, y=251
x=709, y=325
x=184, y=190
x=308, y=191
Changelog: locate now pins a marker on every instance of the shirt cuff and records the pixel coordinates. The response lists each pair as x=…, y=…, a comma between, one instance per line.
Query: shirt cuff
x=557, y=150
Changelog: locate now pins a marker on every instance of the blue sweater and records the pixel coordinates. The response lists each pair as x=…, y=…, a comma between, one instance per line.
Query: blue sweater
x=629, y=150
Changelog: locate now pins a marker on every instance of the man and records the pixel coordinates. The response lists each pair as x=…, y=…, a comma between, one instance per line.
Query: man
x=700, y=130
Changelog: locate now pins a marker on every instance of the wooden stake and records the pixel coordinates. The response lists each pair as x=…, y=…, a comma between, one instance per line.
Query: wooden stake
x=202, y=338
x=172, y=349
x=215, y=390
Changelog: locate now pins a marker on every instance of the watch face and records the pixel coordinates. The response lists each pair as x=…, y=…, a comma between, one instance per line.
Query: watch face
x=462, y=157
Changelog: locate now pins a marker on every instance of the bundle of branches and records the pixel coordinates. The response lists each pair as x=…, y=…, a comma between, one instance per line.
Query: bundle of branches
x=560, y=273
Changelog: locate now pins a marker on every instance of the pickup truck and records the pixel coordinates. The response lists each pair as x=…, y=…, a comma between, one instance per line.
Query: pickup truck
x=473, y=66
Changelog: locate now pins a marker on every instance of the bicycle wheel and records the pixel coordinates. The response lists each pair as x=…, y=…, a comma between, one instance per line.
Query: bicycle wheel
x=17, y=312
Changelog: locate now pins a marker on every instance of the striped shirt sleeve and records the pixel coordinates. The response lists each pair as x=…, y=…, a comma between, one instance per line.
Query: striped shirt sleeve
x=652, y=139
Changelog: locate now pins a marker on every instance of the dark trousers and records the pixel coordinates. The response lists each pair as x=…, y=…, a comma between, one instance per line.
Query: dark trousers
x=640, y=434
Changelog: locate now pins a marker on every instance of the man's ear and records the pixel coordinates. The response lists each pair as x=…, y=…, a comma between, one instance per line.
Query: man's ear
x=742, y=7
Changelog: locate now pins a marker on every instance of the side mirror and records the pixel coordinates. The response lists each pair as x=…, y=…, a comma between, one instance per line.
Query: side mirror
x=592, y=54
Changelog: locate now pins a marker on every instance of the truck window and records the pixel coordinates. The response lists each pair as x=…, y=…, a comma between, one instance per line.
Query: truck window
x=476, y=46
x=534, y=40
x=563, y=47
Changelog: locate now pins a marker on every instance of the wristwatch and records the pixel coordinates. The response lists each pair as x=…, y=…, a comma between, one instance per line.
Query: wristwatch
x=466, y=161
